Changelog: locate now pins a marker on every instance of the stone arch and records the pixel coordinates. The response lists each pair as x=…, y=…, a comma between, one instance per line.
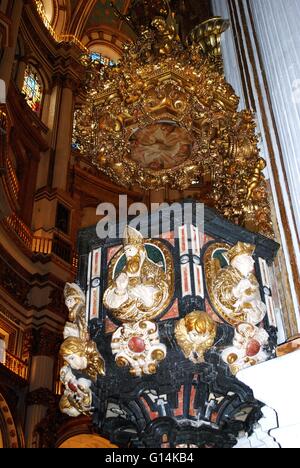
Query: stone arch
x=58, y=13
x=106, y=41
x=80, y=16
x=77, y=433
x=9, y=434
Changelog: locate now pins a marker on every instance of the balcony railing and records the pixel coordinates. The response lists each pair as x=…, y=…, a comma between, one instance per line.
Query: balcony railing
x=13, y=181
x=22, y=231
x=42, y=245
x=17, y=366
x=54, y=245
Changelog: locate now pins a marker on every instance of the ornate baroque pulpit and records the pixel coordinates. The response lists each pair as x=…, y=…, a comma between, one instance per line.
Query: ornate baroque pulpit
x=153, y=348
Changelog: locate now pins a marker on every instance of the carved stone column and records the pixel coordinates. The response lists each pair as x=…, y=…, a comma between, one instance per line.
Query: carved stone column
x=54, y=164
x=28, y=188
x=52, y=120
x=64, y=135
x=41, y=396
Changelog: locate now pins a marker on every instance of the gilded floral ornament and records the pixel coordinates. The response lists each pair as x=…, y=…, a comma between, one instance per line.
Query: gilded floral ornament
x=168, y=87
x=249, y=347
x=138, y=347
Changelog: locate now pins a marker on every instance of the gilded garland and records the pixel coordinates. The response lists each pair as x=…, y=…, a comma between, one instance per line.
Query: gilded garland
x=166, y=117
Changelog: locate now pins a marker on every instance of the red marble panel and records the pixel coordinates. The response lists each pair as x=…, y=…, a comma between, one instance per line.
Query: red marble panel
x=112, y=252
x=109, y=326
x=173, y=312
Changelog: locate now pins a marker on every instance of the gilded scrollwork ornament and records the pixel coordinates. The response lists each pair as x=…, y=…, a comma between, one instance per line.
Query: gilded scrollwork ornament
x=75, y=301
x=165, y=86
x=77, y=396
x=80, y=354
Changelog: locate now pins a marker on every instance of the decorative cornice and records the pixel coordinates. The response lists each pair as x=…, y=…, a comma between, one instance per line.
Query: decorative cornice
x=18, y=282
x=8, y=316
x=98, y=186
x=10, y=379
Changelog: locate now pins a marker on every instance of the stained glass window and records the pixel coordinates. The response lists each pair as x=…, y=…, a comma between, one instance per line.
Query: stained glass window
x=32, y=89
x=95, y=57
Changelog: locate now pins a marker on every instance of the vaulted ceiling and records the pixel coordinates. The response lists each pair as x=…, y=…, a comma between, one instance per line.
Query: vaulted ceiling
x=96, y=25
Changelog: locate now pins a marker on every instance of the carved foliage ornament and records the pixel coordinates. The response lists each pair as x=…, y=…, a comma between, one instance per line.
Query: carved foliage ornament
x=166, y=117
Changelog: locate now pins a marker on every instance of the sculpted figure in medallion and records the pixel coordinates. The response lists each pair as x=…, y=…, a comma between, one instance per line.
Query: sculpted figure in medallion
x=234, y=290
x=143, y=289
x=195, y=334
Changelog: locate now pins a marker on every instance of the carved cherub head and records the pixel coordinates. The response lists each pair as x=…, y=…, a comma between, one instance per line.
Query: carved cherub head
x=200, y=326
x=74, y=353
x=195, y=334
